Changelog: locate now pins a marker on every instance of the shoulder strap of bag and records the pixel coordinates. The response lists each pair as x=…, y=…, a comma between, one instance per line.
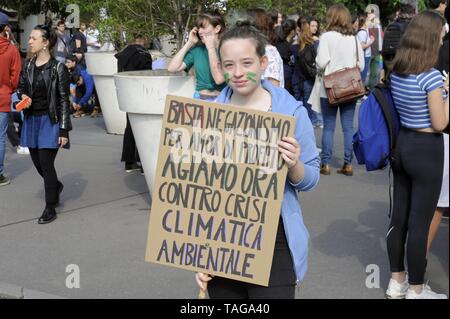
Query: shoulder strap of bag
x=357, y=54
x=387, y=111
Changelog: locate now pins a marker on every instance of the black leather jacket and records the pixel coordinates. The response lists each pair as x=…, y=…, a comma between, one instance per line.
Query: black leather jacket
x=56, y=79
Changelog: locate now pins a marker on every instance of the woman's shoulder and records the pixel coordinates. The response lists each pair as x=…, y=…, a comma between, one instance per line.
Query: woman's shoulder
x=334, y=35
x=329, y=35
x=272, y=51
x=198, y=48
x=431, y=72
x=432, y=77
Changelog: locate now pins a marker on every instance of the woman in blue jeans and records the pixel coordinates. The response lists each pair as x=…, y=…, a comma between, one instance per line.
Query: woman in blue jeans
x=329, y=113
x=338, y=49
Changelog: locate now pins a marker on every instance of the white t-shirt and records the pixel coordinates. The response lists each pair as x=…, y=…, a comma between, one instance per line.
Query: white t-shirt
x=364, y=38
x=92, y=40
x=275, y=68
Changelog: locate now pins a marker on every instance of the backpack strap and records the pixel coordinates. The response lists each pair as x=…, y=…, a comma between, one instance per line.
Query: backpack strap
x=357, y=53
x=387, y=112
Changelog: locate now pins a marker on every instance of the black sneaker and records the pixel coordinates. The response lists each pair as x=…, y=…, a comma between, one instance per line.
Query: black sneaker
x=48, y=216
x=130, y=167
x=4, y=180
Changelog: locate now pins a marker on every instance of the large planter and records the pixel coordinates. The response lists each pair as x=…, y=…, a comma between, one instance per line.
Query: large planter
x=103, y=65
x=143, y=94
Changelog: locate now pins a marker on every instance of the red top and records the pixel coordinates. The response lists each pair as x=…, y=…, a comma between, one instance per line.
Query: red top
x=10, y=67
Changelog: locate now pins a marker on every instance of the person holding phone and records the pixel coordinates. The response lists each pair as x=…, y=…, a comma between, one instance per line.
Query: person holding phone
x=200, y=52
x=45, y=82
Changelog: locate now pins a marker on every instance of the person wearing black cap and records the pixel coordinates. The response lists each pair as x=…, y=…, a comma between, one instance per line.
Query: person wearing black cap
x=440, y=6
x=10, y=66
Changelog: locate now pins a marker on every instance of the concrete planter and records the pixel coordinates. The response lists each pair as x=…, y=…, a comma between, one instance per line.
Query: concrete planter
x=143, y=94
x=103, y=65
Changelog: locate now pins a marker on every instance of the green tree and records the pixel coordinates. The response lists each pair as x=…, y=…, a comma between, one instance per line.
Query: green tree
x=153, y=18
x=26, y=8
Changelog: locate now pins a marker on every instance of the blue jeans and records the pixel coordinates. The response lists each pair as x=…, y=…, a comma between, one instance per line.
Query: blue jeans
x=366, y=69
x=315, y=117
x=347, y=112
x=4, y=118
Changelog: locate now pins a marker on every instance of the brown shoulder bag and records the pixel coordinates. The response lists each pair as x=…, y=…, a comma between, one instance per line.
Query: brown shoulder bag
x=344, y=85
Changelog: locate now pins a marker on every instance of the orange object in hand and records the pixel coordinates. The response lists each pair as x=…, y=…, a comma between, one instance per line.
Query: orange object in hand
x=23, y=104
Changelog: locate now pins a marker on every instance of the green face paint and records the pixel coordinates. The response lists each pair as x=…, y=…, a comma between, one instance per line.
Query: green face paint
x=226, y=76
x=251, y=76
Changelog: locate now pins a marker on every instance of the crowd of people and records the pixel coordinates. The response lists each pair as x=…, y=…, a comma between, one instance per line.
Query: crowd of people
x=270, y=63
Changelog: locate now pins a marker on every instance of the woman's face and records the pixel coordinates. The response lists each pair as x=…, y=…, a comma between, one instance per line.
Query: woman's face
x=207, y=29
x=314, y=26
x=36, y=42
x=242, y=67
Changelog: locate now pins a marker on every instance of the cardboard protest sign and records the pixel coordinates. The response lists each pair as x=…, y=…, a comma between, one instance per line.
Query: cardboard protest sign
x=218, y=189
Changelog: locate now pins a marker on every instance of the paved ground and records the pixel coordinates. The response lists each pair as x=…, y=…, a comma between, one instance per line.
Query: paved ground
x=102, y=228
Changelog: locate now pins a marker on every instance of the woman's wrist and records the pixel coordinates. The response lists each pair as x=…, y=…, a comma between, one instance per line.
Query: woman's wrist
x=63, y=133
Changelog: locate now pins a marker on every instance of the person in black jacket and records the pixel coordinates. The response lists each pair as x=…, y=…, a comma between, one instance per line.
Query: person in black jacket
x=283, y=44
x=47, y=117
x=134, y=57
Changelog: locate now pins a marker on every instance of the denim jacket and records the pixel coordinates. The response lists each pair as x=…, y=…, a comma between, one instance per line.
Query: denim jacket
x=297, y=235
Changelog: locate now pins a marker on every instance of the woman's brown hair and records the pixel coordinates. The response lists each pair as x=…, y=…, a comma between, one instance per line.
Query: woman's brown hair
x=306, y=37
x=419, y=47
x=212, y=18
x=263, y=23
x=339, y=19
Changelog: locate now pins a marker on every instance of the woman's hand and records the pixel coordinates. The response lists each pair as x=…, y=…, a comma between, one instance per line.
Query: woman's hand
x=202, y=280
x=26, y=97
x=62, y=141
x=193, y=36
x=290, y=150
x=210, y=41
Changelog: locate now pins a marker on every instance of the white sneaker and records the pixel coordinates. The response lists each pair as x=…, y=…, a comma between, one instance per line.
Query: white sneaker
x=397, y=290
x=426, y=293
x=23, y=150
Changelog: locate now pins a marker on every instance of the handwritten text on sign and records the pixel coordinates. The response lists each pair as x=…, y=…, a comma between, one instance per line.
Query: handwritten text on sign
x=218, y=189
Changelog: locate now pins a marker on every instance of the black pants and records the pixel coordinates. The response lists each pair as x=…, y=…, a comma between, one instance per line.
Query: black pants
x=418, y=168
x=281, y=282
x=44, y=161
x=129, y=151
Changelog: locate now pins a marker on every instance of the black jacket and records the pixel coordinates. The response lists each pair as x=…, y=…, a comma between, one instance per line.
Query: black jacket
x=56, y=79
x=133, y=58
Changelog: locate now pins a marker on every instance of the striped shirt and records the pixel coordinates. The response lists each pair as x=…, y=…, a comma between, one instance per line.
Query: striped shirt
x=410, y=93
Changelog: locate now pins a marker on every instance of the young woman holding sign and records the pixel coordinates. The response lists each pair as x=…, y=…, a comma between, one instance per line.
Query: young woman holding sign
x=243, y=60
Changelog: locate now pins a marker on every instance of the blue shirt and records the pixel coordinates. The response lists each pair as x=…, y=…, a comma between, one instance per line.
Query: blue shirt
x=410, y=93
x=88, y=82
x=297, y=235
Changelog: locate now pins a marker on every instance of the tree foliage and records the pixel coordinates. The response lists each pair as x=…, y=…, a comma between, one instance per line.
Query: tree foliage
x=29, y=7
x=154, y=18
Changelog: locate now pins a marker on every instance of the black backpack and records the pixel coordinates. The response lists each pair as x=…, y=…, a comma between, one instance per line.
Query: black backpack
x=392, y=36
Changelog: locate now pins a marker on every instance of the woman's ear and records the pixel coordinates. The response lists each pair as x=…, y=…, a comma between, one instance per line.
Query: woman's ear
x=264, y=61
x=217, y=29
